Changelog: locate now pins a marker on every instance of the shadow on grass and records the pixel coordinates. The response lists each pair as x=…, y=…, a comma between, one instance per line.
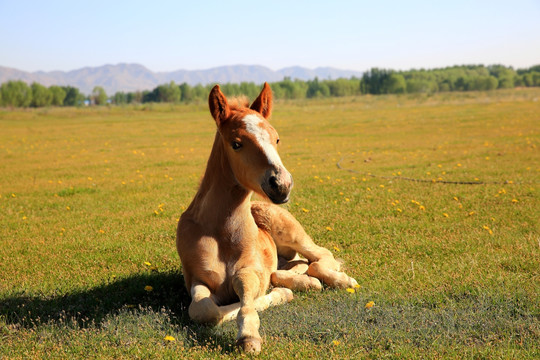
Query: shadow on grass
x=97, y=306
x=123, y=306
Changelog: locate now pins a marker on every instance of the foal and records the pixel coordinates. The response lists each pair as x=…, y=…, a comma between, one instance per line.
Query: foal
x=228, y=245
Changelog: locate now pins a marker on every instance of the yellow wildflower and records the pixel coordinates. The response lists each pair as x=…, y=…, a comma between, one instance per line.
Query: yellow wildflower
x=515, y=200
x=147, y=263
x=336, y=342
x=351, y=290
x=336, y=248
x=169, y=338
x=305, y=210
x=148, y=288
x=329, y=228
x=445, y=214
x=369, y=305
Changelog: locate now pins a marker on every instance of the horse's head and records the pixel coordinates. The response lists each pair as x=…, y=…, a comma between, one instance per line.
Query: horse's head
x=250, y=144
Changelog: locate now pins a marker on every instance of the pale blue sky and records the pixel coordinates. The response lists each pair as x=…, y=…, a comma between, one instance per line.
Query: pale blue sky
x=357, y=35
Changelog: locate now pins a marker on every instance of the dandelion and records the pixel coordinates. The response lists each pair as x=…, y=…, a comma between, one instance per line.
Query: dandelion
x=24, y=217
x=13, y=195
x=68, y=208
x=148, y=288
x=472, y=213
x=169, y=338
x=305, y=210
x=336, y=248
x=399, y=210
x=370, y=304
x=329, y=228
x=455, y=198
x=422, y=207
x=336, y=342
x=515, y=200
x=101, y=231
x=445, y=215
x=347, y=199
x=357, y=286
x=488, y=229
x=351, y=290
x=147, y=263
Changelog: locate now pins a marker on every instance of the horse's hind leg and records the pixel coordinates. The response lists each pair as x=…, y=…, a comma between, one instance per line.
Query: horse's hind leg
x=289, y=234
x=292, y=275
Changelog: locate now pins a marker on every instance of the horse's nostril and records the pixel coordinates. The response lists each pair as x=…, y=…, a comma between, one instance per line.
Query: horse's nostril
x=273, y=182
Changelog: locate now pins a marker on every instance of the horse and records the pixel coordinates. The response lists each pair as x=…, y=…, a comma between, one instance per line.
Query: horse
x=231, y=248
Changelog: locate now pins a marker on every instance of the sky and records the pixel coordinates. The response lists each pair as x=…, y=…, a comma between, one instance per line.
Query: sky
x=191, y=35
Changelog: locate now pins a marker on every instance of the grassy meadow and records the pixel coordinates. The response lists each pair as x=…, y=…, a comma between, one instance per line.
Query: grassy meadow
x=90, y=197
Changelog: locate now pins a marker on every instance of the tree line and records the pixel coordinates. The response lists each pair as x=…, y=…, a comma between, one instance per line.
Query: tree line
x=375, y=81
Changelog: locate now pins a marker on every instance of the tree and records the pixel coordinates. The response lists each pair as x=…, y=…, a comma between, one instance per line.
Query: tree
x=373, y=81
x=119, y=98
x=395, y=84
x=167, y=93
x=317, y=89
x=99, y=96
x=41, y=96
x=58, y=95
x=186, y=92
x=73, y=96
x=16, y=93
x=504, y=74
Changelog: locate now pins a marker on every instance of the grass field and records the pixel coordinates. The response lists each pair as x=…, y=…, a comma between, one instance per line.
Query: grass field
x=90, y=198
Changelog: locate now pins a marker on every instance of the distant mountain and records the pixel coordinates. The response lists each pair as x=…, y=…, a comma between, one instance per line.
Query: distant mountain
x=133, y=77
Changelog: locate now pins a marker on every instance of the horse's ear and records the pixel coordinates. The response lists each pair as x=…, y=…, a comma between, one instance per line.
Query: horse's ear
x=263, y=103
x=219, y=108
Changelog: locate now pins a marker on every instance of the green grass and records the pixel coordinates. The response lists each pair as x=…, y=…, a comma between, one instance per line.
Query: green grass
x=89, y=195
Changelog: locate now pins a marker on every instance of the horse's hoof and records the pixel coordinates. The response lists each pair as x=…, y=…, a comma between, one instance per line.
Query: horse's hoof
x=249, y=344
x=285, y=295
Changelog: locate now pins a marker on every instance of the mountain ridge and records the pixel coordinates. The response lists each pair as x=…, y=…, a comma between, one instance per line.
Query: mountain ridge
x=129, y=77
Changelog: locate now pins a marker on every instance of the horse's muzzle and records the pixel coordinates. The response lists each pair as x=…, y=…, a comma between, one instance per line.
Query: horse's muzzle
x=277, y=185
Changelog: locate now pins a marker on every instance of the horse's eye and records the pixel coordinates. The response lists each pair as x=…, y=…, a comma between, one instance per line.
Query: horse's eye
x=236, y=145
x=277, y=141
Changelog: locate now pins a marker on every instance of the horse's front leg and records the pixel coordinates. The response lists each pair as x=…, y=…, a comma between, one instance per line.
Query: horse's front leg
x=203, y=308
x=247, y=285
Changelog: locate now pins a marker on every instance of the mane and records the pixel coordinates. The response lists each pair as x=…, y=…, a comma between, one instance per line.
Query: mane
x=238, y=103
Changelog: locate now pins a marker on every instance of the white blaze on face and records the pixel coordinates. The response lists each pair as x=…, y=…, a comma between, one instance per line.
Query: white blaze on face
x=262, y=136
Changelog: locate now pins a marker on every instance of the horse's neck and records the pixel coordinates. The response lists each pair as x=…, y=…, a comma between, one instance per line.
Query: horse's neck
x=221, y=203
